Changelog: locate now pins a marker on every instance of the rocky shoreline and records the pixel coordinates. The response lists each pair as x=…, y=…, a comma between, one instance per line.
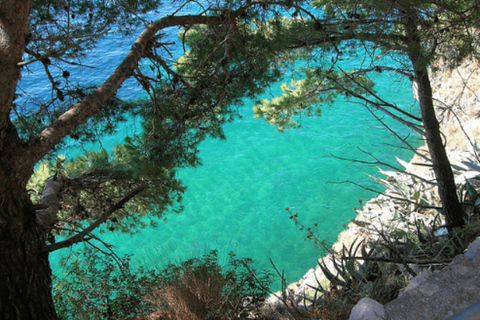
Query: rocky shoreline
x=458, y=110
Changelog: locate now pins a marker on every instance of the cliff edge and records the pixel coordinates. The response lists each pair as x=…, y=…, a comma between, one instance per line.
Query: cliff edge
x=440, y=294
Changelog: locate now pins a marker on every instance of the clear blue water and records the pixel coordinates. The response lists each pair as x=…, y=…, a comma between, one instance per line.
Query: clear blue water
x=236, y=201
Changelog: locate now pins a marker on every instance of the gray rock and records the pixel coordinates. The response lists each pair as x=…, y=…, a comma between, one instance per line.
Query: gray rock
x=418, y=281
x=438, y=295
x=473, y=248
x=429, y=289
x=368, y=309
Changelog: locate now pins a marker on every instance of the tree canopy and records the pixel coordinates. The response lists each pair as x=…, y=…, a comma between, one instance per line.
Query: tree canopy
x=228, y=56
x=229, y=50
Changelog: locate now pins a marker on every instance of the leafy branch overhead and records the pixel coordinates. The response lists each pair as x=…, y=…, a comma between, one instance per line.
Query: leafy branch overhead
x=228, y=56
x=229, y=53
x=399, y=38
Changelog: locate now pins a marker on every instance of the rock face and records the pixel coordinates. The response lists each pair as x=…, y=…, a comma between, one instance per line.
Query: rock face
x=457, y=98
x=440, y=294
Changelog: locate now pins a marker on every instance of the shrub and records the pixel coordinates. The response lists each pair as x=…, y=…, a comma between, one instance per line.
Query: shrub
x=202, y=289
x=94, y=286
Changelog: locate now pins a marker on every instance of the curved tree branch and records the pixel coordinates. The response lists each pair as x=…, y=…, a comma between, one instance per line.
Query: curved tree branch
x=80, y=237
x=40, y=145
x=80, y=112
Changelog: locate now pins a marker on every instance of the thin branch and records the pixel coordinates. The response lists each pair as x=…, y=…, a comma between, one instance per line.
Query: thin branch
x=378, y=162
x=404, y=141
x=111, y=254
x=373, y=94
x=167, y=69
x=378, y=69
x=381, y=106
x=74, y=63
x=52, y=54
x=80, y=237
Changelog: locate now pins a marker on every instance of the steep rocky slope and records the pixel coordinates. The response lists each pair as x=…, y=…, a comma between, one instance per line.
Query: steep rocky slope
x=440, y=294
x=458, y=109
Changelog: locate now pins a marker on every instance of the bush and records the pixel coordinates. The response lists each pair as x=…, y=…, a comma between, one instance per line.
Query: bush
x=95, y=286
x=202, y=289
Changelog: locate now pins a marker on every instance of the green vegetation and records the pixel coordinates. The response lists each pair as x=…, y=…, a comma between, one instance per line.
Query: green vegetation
x=236, y=49
x=412, y=34
x=94, y=287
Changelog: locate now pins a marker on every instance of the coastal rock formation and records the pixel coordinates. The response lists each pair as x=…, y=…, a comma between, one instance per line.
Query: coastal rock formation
x=440, y=294
x=458, y=104
x=457, y=287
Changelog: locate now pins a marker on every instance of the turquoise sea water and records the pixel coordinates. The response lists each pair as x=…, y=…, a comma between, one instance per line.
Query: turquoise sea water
x=236, y=201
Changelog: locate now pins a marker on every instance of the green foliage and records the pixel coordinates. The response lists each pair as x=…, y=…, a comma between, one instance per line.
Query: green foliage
x=95, y=287
x=244, y=68
x=97, y=180
x=57, y=25
x=238, y=278
x=304, y=97
x=106, y=121
x=358, y=274
x=369, y=30
x=299, y=98
x=203, y=289
x=37, y=181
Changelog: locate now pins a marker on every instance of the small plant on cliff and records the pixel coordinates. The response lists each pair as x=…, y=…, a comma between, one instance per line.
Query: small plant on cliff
x=359, y=273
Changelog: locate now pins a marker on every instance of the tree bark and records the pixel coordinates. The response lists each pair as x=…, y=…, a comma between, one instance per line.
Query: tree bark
x=452, y=209
x=25, y=275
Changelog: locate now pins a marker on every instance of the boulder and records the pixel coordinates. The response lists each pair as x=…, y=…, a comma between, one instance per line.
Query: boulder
x=368, y=309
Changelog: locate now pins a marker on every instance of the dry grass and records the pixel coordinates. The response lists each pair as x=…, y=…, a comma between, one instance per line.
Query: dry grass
x=193, y=298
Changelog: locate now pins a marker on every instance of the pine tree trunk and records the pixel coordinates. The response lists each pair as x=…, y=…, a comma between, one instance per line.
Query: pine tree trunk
x=25, y=275
x=452, y=209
